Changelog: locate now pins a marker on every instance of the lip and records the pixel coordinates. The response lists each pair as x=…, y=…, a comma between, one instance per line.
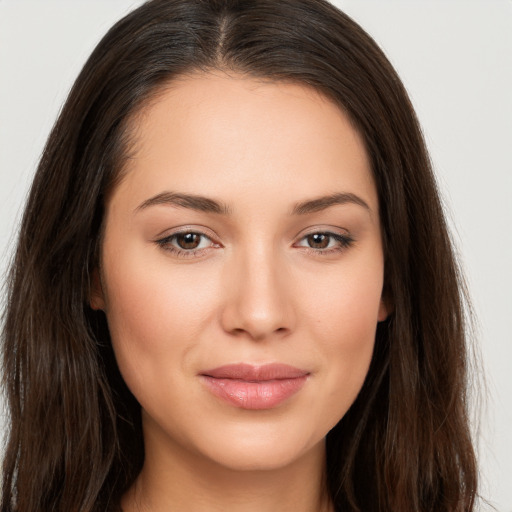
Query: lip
x=255, y=387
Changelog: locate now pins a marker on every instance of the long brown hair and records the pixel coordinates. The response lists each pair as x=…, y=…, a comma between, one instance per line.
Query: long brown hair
x=75, y=440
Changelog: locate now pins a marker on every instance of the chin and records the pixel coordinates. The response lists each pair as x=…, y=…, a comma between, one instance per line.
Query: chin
x=262, y=452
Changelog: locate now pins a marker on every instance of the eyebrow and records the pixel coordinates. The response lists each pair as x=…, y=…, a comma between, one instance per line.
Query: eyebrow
x=208, y=205
x=321, y=203
x=190, y=201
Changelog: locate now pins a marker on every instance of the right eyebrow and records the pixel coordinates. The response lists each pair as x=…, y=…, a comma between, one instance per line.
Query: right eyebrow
x=191, y=201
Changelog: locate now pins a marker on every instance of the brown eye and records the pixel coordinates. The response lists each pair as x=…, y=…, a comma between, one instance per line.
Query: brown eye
x=188, y=240
x=326, y=242
x=187, y=243
x=318, y=240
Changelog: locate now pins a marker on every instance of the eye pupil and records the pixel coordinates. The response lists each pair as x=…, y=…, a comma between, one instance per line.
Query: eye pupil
x=318, y=240
x=188, y=240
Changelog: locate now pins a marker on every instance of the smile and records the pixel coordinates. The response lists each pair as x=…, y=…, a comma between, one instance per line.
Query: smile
x=255, y=387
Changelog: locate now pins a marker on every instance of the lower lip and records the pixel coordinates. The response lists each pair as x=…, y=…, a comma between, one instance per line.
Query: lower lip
x=254, y=395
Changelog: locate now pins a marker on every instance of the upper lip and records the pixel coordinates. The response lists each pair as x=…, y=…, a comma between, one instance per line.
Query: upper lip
x=256, y=373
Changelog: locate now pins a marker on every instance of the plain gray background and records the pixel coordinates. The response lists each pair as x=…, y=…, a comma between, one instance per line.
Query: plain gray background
x=454, y=57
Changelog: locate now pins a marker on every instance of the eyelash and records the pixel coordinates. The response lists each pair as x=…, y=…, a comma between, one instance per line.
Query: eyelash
x=345, y=241
x=165, y=243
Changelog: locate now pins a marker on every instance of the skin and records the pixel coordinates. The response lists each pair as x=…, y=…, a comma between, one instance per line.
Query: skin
x=254, y=291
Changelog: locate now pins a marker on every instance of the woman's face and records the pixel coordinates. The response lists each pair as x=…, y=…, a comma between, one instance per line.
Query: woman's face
x=242, y=270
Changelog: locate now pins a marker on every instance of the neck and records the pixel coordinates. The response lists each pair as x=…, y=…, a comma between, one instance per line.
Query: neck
x=175, y=479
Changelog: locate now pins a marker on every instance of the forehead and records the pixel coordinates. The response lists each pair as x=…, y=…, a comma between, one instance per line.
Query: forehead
x=205, y=132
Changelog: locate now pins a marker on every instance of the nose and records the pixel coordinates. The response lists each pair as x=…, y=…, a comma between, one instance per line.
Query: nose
x=258, y=297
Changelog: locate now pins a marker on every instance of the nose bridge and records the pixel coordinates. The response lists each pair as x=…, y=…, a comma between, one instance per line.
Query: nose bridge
x=258, y=301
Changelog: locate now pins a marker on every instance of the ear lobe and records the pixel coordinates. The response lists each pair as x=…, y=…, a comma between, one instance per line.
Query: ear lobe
x=96, y=297
x=385, y=309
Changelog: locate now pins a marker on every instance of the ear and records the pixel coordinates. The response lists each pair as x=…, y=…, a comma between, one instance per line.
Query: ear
x=385, y=308
x=96, y=296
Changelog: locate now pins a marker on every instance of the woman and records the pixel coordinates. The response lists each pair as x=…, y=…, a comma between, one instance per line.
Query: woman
x=234, y=288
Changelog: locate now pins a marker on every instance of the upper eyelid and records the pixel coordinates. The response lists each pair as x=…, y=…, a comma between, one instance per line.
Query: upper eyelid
x=330, y=230
x=186, y=229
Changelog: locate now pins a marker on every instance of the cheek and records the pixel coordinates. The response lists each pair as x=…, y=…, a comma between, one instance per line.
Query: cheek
x=343, y=319
x=344, y=306
x=151, y=297
x=155, y=314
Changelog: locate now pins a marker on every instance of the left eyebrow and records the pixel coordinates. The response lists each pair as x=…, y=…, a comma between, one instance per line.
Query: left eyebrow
x=321, y=203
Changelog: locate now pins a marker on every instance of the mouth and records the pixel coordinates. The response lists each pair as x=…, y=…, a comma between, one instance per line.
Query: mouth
x=255, y=387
